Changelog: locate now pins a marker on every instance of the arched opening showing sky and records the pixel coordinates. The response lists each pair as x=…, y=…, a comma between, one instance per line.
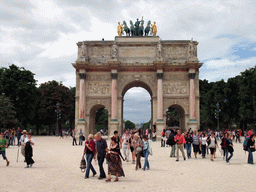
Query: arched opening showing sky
x=137, y=105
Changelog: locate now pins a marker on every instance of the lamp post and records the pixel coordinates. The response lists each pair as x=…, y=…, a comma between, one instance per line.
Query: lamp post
x=58, y=112
x=217, y=115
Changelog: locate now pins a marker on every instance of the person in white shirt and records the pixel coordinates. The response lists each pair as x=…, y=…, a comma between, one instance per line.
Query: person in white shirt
x=21, y=142
x=126, y=145
x=203, y=144
x=29, y=141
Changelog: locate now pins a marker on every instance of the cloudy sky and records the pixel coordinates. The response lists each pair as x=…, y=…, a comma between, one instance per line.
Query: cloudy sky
x=41, y=35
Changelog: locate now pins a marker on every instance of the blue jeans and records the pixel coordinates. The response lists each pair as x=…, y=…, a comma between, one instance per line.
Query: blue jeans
x=188, y=148
x=203, y=148
x=228, y=158
x=250, y=156
x=146, y=163
x=80, y=140
x=89, y=165
x=3, y=154
x=100, y=163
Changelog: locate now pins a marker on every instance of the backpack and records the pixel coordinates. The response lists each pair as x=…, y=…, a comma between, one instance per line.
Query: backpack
x=246, y=139
x=170, y=140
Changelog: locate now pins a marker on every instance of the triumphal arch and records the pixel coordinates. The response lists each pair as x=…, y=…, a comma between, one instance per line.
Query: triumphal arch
x=167, y=69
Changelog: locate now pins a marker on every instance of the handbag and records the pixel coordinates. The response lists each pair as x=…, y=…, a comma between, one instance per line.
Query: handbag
x=83, y=165
x=108, y=156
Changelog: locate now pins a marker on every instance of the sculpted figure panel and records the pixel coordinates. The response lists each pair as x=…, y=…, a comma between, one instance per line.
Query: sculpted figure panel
x=98, y=77
x=176, y=77
x=137, y=52
x=175, y=88
x=99, y=88
x=175, y=52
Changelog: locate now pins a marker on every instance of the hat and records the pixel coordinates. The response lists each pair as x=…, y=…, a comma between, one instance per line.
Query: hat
x=24, y=131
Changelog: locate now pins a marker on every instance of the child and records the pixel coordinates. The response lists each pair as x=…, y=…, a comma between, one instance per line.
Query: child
x=3, y=145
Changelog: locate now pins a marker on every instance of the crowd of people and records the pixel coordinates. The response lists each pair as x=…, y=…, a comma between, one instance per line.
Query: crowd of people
x=203, y=142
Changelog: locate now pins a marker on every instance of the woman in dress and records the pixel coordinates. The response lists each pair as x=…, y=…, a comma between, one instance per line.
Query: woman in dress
x=89, y=150
x=29, y=141
x=114, y=161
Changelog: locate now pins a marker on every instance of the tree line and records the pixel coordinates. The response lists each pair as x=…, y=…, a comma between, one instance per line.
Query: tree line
x=22, y=103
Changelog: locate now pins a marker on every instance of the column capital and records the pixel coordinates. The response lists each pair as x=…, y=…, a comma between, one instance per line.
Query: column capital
x=114, y=75
x=192, y=75
x=160, y=75
x=82, y=75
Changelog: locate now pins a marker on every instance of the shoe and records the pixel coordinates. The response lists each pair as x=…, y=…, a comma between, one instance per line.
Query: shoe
x=116, y=179
x=143, y=169
x=136, y=169
x=228, y=163
x=7, y=163
x=184, y=159
x=101, y=177
x=177, y=159
x=27, y=166
x=212, y=160
x=30, y=165
x=85, y=177
x=127, y=160
x=107, y=180
x=133, y=162
x=147, y=168
x=94, y=174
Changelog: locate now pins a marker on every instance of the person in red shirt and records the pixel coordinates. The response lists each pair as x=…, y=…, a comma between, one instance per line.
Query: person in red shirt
x=180, y=140
x=250, y=132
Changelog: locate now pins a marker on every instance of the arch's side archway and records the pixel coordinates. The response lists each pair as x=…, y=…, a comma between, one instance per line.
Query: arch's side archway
x=181, y=114
x=99, y=119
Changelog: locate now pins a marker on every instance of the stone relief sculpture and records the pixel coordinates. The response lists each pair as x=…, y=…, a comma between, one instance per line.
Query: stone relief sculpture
x=98, y=77
x=84, y=50
x=159, y=51
x=99, y=88
x=192, y=50
x=175, y=88
x=180, y=77
x=114, y=51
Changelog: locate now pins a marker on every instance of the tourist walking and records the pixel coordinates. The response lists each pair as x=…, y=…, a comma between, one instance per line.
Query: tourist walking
x=114, y=161
x=18, y=135
x=81, y=136
x=138, y=145
x=251, y=148
x=212, y=143
x=132, y=147
x=203, y=144
x=146, y=152
x=163, y=139
x=230, y=149
x=3, y=145
x=189, y=142
x=173, y=143
x=126, y=145
x=29, y=141
x=74, y=136
x=223, y=144
x=101, y=149
x=89, y=152
x=22, y=142
x=180, y=140
x=196, y=143
x=118, y=140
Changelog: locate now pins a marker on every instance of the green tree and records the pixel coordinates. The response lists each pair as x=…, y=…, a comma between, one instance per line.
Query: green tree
x=129, y=124
x=7, y=112
x=146, y=125
x=71, y=116
x=51, y=93
x=172, y=117
x=20, y=86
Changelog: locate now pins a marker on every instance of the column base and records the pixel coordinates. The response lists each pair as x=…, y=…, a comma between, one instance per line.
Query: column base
x=160, y=125
x=193, y=125
x=113, y=120
x=82, y=125
x=81, y=119
x=113, y=127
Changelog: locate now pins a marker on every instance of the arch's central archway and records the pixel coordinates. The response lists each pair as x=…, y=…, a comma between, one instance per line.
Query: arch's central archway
x=175, y=120
x=142, y=103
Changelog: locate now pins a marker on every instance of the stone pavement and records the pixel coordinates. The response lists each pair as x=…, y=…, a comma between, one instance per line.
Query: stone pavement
x=57, y=164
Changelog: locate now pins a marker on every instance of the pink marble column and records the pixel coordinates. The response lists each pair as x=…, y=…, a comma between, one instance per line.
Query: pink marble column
x=82, y=77
x=114, y=97
x=192, y=97
x=159, y=96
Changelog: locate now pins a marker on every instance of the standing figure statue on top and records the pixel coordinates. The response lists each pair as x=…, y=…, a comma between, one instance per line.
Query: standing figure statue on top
x=137, y=26
x=147, y=29
x=132, y=30
x=141, y=28
x=126, y=29
x=119, y=29
x=154, y=29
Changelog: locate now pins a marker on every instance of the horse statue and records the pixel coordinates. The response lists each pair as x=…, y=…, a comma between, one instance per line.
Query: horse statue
x=141, y=28
x=147, y=29
x=132, y=30
x=126, y=29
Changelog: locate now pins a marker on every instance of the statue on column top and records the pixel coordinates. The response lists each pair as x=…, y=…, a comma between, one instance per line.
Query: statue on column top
x=154, y=29
x=119, y=29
